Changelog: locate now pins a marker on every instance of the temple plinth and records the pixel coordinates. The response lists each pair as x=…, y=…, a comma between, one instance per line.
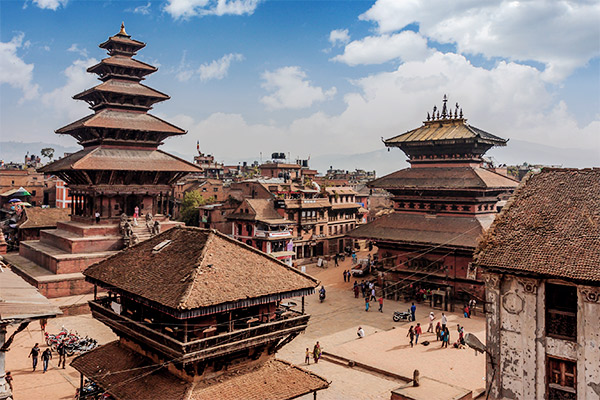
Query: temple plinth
x=119, y=169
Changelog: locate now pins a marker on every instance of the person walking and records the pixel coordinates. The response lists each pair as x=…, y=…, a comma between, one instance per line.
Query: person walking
x=466, y=311
x=307, y=357
x=446, y=338
x=373, y=297
x=34, y=353
x=62, y=354
x=381, y=304
x=438, y=331
x=344, y=273
x=317, y=352
x=356, y=290
x=136, y=215
x=366, y=304
x=335, y=259
x=46, y=357
x=411, y=334
x=363, y=287
x=444, y=321
x=431, y=319
x=418, y=332
x=413, y=310
x=472, y=304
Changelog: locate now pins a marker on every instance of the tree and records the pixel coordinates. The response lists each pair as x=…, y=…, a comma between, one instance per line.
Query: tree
x=48, y=152
x=189, y=207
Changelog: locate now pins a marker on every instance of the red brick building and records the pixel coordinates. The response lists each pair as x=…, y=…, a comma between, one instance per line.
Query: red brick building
x=442, y=204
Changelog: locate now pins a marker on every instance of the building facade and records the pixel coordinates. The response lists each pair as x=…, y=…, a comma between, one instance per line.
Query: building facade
x=540, y=262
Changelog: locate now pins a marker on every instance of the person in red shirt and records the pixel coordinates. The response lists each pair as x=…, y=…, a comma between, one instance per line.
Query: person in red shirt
x=381, y=304
x=418, y=331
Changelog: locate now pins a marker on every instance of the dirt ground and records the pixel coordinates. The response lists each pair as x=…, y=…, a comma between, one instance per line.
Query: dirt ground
x=333, y=323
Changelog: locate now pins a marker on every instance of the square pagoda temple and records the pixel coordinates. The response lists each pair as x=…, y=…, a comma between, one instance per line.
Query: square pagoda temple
x=199, y=316
x=119, y=169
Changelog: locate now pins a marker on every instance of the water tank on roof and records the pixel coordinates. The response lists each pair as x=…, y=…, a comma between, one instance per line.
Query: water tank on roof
x=278, y=156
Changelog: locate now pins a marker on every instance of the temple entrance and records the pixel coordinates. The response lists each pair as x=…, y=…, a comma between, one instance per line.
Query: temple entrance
x=131, y=201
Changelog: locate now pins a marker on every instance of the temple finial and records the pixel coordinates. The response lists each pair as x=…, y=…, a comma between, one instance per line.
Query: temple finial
x=428, y=117
x=461, y=113
x=122, y=31
x=444, y=108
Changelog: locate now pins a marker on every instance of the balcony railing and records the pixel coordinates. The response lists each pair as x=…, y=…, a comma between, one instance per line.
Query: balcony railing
x=223, y=343
x=272, y=234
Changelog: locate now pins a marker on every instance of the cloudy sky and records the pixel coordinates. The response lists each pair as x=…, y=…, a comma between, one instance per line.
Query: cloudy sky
x=316, y=78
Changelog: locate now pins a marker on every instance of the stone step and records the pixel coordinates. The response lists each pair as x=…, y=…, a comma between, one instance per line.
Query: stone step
x=58, y=261
x=74, y=243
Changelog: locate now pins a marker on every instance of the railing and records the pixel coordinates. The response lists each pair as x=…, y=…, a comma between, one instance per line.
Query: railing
x=223, y=343
x=272, y=234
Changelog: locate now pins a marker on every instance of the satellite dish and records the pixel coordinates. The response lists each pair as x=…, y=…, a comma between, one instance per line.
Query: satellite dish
x=473, y=342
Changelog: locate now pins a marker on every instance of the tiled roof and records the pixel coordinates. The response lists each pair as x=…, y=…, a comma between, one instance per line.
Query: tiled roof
x=551, y=227
x=273, y=380
x=123, y=61
x=119, y=159
x=423, y=229
x=126, y=375
x=444, y=178
x=44, y=217
x=339, y=190
x=124, y=40
x=124, y=87
x=205, y=268
x=121, y=119
x=450, y=130
x=262, y=210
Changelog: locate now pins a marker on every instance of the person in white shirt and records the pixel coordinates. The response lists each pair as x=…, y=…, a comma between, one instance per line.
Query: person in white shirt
x=444, y=321
x=360, y=333
x=431, y=319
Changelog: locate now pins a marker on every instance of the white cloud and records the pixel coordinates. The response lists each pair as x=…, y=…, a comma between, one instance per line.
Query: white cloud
x=14, y=71
x=216, y=69
x=339, y=37
x=405, y=46
x=50, y=4
x=503, y=28
x=185, y=9
x=290, y=89
x=144, y=10
x=75, y=49
x=60, y=99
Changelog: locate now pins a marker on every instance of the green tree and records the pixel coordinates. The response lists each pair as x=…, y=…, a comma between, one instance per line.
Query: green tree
x=189, y=207
x=48, y=152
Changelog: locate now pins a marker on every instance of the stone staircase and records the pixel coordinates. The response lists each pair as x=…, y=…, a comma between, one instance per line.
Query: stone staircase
x=142, y=232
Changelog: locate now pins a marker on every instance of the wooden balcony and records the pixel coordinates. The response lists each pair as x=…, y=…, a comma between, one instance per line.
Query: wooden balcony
x=290, y=323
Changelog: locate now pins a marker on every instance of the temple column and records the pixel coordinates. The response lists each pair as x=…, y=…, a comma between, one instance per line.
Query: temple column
x=72, y=204
x=109, y=207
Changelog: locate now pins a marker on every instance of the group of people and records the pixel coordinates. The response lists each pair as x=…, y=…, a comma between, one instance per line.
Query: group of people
x=316, y=354
x=469, y=308
x=347, y=275
x=442, y=333
x=46, y=356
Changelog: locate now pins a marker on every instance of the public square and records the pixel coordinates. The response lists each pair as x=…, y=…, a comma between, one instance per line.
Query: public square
x=333, y=323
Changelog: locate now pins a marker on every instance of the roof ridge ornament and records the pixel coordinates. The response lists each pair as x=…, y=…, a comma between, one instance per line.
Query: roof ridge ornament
x=122, y=31
x=444, y=108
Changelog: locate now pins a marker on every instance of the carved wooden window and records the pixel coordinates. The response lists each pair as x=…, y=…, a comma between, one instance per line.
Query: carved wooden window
x=561, y=311
x=562, y=379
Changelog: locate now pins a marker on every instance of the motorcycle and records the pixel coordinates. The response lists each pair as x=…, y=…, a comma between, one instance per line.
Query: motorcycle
x=402, y=316
x=322, y=296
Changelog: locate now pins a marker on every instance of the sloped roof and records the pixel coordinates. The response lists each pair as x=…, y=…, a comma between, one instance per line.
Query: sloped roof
x=439, y=131
x=444, y=178
x=262, y=210
x=126, y=375
x=199, y=268
x=331, y=190
x=123, y=86
x=120, y=159
x=424, y=229
x=122, y=119
x=550, y=227
x=44, y=217
x=123, y=61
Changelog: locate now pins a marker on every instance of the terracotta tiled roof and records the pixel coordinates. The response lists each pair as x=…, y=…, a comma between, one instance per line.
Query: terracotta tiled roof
x=124, y=87
x=260, y=210
x=273, y=380
x=340, y=190
x=126, y=375
x=124, y=40
x=551, y=227
x=44, y=217
x=205, y=268
x=421, y=229
x=121, y=119
x=444, y=178
x=119, y=159
x=123, y=61
x=440, y=131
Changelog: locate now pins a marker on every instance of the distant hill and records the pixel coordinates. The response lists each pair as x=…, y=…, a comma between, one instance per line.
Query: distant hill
x=15, y=151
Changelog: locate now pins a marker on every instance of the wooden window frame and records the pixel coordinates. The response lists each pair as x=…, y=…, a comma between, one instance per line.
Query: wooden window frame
x=557, y=386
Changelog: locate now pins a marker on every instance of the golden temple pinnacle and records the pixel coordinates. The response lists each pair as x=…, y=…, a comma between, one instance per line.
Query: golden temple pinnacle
x=122, y=31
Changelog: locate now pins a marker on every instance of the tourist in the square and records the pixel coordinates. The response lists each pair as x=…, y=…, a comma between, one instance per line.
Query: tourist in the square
x=438, y=331
x=466, y=311
x=366, y=304
x=353, y=258
x=344, y=273
x=446, y=338
x=97, y=215
x=373, y=297
x=360, y=333
x=46, y=357
x=317, y=352
x=431, y=319
x=380, y=304
x=335, y=260
x=411, y=335
x=136, y=215
x=307, y=357
x=356, y=290
x=413, y=310
x=62, y=354
x=9, y=380
x=34, y=353
x=444, y=321
x=363, y=287
x=472, y=304
x=418, y=332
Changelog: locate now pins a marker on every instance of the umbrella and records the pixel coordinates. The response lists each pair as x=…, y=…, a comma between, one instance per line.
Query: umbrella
x=25, y=204
x=21, y=192
x=14, y=200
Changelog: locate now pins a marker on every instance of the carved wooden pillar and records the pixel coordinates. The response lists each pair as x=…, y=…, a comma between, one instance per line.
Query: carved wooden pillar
x=109, y=206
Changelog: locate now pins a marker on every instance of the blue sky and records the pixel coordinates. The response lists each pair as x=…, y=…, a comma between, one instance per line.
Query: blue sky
x=317, y=77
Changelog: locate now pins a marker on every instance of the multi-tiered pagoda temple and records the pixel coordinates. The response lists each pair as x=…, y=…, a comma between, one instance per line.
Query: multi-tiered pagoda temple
x=119, y=169
x=443, y=203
